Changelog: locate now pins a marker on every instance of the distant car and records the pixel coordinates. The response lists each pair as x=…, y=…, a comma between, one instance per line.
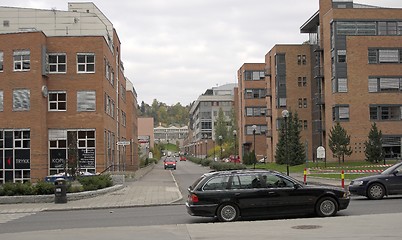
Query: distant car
x=183, y=158
x=229, y=195
x=375, y=187
x=169, y=162
x=234, y=159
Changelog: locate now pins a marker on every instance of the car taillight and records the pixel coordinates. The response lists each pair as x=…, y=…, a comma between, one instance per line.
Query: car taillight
x=193, y=198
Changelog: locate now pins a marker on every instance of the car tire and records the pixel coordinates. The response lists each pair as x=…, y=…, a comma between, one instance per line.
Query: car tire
x=228, y=212
x=375, y=191
x=326, y=207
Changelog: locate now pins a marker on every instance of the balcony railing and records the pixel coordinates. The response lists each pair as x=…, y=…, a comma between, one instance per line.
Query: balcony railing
x=318, y=125
x=319, y=99
x=318, y=72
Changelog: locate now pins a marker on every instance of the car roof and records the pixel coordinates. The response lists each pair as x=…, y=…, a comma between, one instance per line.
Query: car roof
x=248, y=171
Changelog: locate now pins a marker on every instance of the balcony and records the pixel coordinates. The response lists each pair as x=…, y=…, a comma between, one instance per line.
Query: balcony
x=318, y=72
x=318, y=126
x=319, y=99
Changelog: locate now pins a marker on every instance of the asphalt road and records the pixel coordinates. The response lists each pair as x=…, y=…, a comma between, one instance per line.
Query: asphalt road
x=175, y=214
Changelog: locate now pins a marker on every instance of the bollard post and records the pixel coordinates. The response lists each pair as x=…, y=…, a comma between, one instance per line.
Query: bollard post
x=343, y=178
x=305, y=176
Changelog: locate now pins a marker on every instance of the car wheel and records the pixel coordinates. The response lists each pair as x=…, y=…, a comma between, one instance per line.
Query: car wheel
x=375, y=191
x=326, y=207
x=228, y=212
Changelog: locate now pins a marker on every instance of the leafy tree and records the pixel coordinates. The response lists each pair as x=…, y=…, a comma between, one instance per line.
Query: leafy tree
x=374, y=151
x=339, y=142
x=221, y=127
x=289, y=147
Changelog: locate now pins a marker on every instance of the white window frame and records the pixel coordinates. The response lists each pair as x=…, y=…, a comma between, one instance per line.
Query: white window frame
x=86, y=62
x=1, y=61
x=57, y=64
x=22, y=60
x=1, y=101
x=57, y=101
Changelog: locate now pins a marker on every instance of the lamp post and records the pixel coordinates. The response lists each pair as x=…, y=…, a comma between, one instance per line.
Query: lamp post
x=220, y=143
x=285, y=115
x=206, y=145
x=235, y=145
x=254, y=127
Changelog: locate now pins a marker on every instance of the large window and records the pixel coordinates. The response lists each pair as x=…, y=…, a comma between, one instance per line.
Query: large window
x=261, y=129
x=340, y=85
x=21, y=99
x=57, y=101
x=385, y=84
x=109, y=106
x=1, y=61
x=15, y=157
x=391, y=112
x=85, y=63
x=254, y=75
x=86, y=101
x=256, y=111
x=340, y=113
x=255, y=93
x=22, y=60
x=57, y=63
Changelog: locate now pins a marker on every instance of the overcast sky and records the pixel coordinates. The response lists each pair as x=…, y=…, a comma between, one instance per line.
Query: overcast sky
x=173, y=50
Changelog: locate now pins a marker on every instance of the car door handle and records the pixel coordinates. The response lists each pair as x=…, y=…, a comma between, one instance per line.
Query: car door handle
x=237, y=194
x=271, y=193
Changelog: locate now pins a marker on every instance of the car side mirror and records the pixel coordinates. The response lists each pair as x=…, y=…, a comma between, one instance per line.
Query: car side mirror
x=395, y=172
x=296, y=186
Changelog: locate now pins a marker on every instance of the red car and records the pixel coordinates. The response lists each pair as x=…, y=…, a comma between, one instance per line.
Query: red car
x=183, y=158
x=169, y=163
x=234, y=159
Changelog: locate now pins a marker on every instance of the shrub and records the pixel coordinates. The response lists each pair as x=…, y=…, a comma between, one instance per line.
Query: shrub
x=91, y=183
x=206, y=162
x=223, y=166
x=43, y=188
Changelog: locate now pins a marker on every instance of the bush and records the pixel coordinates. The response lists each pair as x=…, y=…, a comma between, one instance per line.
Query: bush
x=91, y=183
x=223, y=166
x=43, y=188
x=206, y=162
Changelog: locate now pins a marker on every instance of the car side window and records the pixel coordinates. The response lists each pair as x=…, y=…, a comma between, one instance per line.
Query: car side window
x=274, y=181
x=216, y=183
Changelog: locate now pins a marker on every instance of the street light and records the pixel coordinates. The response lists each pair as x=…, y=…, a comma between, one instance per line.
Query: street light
x=285, y=115
x=206, y=145
x=235, y=146
x=254, y=127
x=220, y=143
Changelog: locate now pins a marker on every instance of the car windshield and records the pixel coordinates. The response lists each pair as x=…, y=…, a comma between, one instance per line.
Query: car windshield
x=391, y=169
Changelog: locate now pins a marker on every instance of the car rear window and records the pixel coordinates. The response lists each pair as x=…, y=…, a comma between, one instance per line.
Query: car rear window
x=217, y=183
x=196, y=182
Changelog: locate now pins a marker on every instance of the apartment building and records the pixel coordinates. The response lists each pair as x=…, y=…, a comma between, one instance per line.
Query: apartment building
x=349, y=71
x=252, y=111
x=63, y=94
x=203, y=114
x=357, y=72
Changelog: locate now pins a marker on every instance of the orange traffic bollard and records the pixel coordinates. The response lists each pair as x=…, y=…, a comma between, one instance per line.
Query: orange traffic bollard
x=343, y=179
x=305, y=176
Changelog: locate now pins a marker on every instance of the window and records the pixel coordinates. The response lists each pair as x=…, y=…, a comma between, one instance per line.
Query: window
x=1, y=61
x=384, y=56
x=386, y=113
x=255, y=111
x=387, y=28
x=1, y=101
x=304, y=102
x=21, y=99
x=385, y=84
x=302, y=81
x=109, y=106
x=340, y=85
x=255, y=93
x=217, y=183
x=300, y=103
x=123, y=118
x=261, y=129
x=57, y=101
x=85, y=63
x=341, y=56
x=22, y=60
x=340, y=113
x=86, y=101
x=254, y=75
x=57, y=63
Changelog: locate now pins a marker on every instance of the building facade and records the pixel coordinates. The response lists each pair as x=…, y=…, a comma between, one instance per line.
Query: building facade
x=349, y=71
x=203, y=115
x=64, y=99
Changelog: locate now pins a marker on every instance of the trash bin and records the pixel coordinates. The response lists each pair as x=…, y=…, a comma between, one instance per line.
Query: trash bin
x=60, y=191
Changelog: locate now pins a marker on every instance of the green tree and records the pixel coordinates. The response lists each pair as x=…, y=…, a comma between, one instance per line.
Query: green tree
x=374, y=151
x=339, y=142
x=221, y=128
x=289, y=149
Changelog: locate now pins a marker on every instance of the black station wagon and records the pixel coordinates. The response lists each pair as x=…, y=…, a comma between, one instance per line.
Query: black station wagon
x=229, y=195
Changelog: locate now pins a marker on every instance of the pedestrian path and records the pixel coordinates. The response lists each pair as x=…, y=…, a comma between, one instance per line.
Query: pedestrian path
x=7, y=217
x=158, y=187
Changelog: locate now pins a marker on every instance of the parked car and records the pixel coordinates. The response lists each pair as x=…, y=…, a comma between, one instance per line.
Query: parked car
x=375, y=187
x=229, y=195
x=169, y=162
x=183, y=158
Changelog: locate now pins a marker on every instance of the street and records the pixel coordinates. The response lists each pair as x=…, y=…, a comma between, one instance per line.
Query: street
x=174, y=214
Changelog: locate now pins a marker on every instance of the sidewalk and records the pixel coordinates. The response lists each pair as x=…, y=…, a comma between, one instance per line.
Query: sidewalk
x=158, y=187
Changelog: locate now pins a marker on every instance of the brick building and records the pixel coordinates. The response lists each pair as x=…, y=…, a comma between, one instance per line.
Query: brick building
x=63, y=94
x=349, y=71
